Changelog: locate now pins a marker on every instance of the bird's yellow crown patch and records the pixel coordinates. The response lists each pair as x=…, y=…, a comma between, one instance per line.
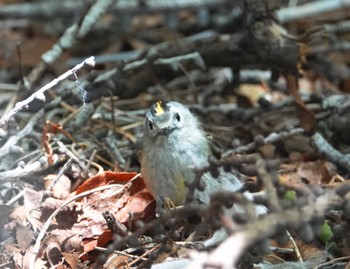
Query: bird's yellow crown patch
x=159, y=110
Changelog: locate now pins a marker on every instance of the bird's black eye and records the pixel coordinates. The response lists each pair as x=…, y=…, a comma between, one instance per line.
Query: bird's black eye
x=150, y=125
x=177, y=117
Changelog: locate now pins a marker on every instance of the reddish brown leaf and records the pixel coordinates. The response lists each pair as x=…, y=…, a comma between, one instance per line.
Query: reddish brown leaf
x=138, y=206
x=90, y=245
x=109, y=177
x=52, y=128
x=104, y=238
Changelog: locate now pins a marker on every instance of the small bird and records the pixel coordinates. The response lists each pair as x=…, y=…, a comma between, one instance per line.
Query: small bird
x=174, y=143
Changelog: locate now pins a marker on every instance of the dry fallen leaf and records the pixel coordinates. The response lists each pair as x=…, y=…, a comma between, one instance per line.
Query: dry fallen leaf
x=24, y=236
x=62, y=187
x=306, y=172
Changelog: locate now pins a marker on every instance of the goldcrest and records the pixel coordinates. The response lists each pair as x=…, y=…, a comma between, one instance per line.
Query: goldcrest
x=173, y=144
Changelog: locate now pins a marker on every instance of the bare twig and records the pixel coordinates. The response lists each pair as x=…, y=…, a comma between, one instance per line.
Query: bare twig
x=40, y=93
x=329, y=152
x=71, y=155
x=310, y=9
x=60, y=173
x=50, y=9
x=15, y=198
x=6, y=148
x=27, y=170
x=296, y=250
x=77, y=31
x=120, y=253
x=322, y=265
x=259, y=141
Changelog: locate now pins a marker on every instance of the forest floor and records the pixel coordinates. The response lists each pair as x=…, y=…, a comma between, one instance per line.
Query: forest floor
x=268, y=80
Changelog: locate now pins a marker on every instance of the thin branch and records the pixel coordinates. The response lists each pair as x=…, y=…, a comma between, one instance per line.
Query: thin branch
x=6, y=148
x=308, y=10
x=329, y=152
x=260, y=141
x=40, y=93
x=55, y=8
